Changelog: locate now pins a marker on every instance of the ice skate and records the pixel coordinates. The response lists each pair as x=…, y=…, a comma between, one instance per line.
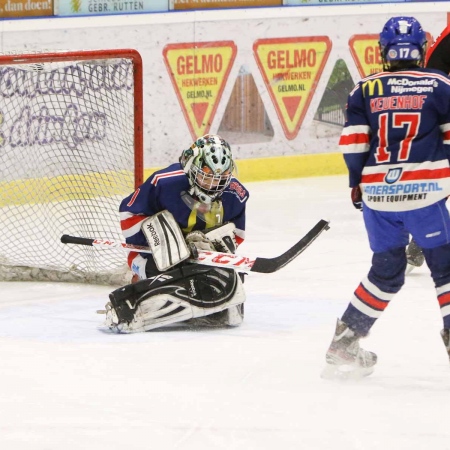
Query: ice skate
x=345, y=359
x=445, y=334
x=111, y=320
x=414, y=256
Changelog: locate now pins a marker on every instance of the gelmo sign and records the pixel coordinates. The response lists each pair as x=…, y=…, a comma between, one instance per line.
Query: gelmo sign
x=199, y=72
x=291, y=69
x=25, y=8
x=98, y=7
x=365, y=51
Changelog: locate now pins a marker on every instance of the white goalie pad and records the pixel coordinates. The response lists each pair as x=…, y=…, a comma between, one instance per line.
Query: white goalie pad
x=166, y=240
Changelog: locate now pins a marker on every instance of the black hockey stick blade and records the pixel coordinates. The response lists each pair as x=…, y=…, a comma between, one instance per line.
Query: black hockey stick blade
x=269, y=265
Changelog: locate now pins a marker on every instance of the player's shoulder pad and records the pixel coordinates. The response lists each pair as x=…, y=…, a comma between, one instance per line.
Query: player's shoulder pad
x=237, y=189
x=167, y=175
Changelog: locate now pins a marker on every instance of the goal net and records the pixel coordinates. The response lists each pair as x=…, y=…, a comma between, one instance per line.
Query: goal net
x=70, y=151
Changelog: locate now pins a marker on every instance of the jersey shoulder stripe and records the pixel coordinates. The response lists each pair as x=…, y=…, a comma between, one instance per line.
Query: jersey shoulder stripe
x=162, y=176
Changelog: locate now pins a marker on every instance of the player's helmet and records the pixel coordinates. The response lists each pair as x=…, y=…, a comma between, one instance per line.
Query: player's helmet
x=402, y=43
x=209, y=164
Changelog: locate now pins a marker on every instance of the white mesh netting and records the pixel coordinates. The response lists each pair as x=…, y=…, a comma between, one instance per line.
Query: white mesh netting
x=67, y=157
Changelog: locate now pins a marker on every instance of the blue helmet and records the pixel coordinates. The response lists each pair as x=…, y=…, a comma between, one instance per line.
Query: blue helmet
x=403, y=39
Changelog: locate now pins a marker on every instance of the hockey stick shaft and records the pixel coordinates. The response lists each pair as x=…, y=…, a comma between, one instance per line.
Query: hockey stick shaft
x=218, y=259
x=102, y=243
x=207, y=258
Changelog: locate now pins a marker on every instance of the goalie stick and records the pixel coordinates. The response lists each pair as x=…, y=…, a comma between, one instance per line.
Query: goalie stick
x=219, y=259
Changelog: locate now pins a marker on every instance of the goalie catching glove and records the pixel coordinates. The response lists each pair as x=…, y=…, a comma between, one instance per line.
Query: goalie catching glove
x=196, y=240
x=221, y=238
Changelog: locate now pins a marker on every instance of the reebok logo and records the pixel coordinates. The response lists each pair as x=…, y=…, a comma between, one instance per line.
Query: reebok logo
x=154, y=235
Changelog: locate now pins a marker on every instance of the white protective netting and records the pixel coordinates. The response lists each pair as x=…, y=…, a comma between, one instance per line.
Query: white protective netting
x=67, y=158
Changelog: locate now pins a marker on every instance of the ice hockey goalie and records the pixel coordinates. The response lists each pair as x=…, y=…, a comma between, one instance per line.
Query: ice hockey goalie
x=192, y=205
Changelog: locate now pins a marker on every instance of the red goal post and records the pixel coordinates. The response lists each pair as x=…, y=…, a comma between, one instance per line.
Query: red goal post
x=71, y=148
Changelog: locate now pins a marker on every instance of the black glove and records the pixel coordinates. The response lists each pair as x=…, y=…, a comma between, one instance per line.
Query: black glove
x=356, y=195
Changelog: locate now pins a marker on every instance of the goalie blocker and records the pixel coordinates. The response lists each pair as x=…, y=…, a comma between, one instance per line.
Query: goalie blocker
x=169, y=246
x=187, y=292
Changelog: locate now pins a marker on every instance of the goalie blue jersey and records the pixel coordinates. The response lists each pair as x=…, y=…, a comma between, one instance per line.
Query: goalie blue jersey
x=390, y=141
x=167, y=189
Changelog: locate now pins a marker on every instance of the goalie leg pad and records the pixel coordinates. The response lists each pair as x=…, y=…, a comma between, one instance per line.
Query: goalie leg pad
x=155, y=312
x=175, y=296
x=231, y=317
x=235, y=315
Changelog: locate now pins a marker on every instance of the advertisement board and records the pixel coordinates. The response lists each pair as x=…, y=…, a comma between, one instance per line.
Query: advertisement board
x=339, y=2
x=99, y=7
x=25, y=8
x=291, y=68
x=273, y=87
x=199, y=73
x=204, y=4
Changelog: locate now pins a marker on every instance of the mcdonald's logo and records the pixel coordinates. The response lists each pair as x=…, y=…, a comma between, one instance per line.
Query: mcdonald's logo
x=370, y=85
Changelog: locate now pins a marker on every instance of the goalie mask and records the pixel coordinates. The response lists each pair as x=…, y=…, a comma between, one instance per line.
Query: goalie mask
x=402, y=43
x=208, y=164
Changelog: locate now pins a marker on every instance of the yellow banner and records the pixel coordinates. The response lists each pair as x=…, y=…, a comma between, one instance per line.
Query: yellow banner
x=199, y=72
x=291, y=69
x=366, y=53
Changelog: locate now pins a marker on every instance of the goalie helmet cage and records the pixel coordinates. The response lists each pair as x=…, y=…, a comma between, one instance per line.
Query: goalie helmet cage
x=71, y=148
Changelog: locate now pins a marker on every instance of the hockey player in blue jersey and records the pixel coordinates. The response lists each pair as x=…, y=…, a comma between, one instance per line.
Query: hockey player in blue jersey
x=396, y=145
x=195, y=202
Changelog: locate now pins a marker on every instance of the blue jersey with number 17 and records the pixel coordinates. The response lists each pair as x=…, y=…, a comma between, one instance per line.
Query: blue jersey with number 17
x=396, y=140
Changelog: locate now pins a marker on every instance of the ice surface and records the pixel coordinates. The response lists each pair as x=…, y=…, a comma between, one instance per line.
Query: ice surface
x=66, y=385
